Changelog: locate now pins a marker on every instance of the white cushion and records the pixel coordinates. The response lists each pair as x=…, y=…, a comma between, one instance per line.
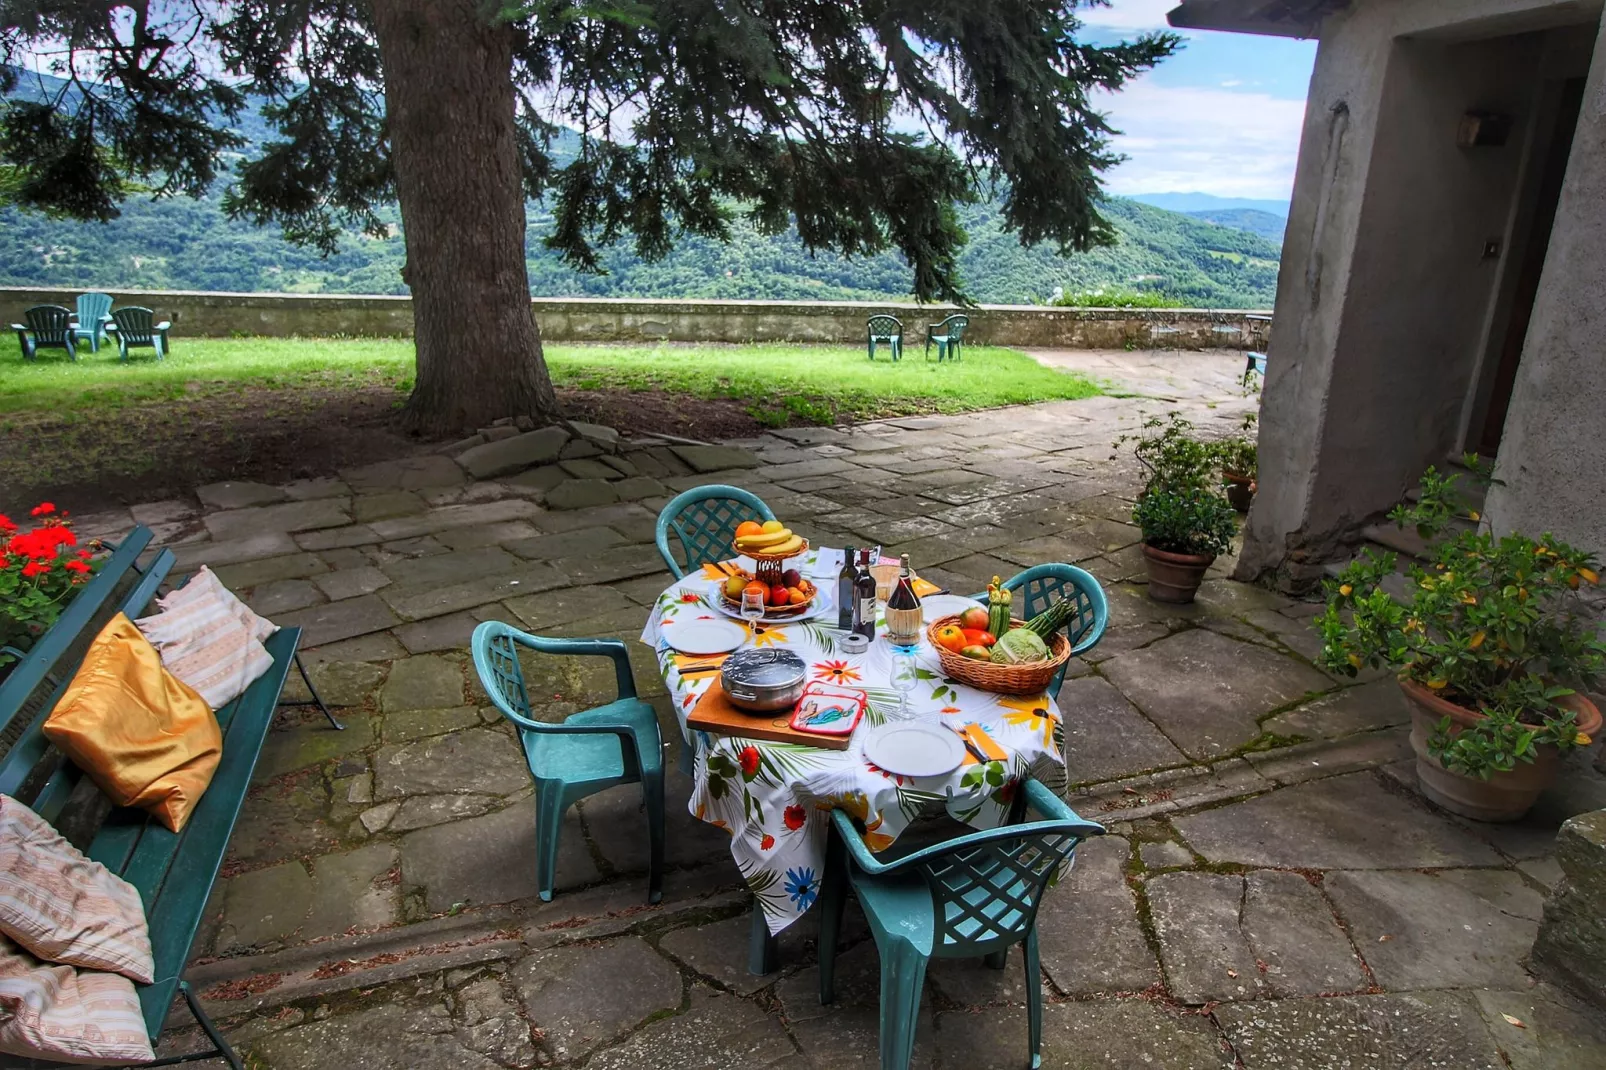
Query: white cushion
x=67, y=1015
x=210, y=639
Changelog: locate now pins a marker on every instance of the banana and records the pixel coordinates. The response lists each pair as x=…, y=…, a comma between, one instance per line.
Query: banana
x=791, y=545
x=763, y=542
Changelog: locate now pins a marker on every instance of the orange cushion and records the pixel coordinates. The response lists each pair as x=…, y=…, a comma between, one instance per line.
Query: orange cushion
x=140, y=733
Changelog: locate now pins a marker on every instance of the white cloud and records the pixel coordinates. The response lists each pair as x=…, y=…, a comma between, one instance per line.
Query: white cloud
x=1129, y=14
x=1185, y=139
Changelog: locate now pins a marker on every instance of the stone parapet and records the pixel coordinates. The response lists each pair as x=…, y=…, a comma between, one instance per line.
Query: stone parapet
x=1571, y=946
x=222, y=315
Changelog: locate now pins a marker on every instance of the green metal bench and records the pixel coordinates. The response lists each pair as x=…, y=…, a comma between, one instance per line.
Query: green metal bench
x=174, y=872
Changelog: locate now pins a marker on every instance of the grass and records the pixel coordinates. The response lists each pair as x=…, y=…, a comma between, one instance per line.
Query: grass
x=778, y=384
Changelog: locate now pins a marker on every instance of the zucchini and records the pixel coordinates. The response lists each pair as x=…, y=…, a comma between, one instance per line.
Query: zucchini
x=998, y=599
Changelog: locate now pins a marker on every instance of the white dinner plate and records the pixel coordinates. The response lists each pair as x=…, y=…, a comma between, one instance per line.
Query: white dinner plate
x=944, y=605
x=913, y=748
x=706, y=637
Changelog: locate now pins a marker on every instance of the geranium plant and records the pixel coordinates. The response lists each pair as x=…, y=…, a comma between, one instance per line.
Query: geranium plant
x=1492, y=625
x=40, y=569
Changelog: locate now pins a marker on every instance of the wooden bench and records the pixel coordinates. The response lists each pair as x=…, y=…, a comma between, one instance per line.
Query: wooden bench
x=173, y=872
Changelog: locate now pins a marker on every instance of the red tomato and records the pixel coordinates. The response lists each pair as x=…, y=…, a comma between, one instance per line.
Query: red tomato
x=974, y=619
x=979, y=637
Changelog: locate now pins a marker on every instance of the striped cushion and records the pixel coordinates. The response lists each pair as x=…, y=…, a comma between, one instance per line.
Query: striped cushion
x=62, y=1014
x=63, y=907
x=210, y=639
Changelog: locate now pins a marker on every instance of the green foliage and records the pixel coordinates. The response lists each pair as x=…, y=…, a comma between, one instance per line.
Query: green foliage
x=1117, y=297
x=1174, y=458
x=1438, y=502
x=1492, y=625
x=686, y=108
x=1185, y=520
x=1239, y=453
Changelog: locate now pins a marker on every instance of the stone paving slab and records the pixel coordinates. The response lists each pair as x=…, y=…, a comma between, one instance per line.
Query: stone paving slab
x=577, y=1019
x=1081, y=1036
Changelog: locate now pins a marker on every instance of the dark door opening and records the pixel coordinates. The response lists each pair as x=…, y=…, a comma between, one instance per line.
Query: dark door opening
x=1548, y=193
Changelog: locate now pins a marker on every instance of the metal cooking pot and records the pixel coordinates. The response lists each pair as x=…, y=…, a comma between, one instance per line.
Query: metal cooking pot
x=763, y=681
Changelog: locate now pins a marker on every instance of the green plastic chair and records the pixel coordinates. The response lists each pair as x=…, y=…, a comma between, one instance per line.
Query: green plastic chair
x=704, y=520
x=588, y=752
x=133, y=327
x=46, y=327
x=886, y=330
x=949, y=335
x=1042, y=585
x=93, y=312
x=971, y=897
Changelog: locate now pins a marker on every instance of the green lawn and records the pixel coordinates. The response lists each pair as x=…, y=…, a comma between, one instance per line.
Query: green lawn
x=777, y=383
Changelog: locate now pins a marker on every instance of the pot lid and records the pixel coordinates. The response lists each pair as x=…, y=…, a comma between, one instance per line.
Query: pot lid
x=763, y=668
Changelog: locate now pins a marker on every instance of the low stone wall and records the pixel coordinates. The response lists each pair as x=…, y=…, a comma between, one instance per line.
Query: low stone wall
x=222, y=315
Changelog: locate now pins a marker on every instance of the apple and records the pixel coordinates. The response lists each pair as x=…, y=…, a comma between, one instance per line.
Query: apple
x=778, y=596
x=792, y=578
x=974, y=618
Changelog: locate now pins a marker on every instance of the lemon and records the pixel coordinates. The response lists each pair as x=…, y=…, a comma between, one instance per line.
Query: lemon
x=771, y=526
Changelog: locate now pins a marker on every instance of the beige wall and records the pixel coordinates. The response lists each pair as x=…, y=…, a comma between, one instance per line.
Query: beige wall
x=606, y=320
x=1384, y=295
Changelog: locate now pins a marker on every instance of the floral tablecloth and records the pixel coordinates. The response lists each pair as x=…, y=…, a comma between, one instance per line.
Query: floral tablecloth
x=772, y=797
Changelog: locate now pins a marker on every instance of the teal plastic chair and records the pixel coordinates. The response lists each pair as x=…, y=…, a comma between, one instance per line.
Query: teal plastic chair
x=46, y=327
x=885, y=330
x=971, y=897
x=949, y=336
x=588, y=752
x=94, y=310
x=1042, y=585
x=133, y=327
x=703, y=520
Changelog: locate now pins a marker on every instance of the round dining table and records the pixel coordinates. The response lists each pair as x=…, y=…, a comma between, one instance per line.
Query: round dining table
x=772, y=798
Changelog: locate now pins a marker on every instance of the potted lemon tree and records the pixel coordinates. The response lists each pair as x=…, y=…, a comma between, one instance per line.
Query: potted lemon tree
x=1491, y=648
x=1239, y=458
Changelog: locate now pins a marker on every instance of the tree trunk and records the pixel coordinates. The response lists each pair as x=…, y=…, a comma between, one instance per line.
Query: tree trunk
x=449, y=102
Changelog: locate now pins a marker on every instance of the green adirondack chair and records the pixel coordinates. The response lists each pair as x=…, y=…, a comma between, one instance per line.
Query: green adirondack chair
x=93, y=312
x=586, y=753
x=887, y=331
x=949, y=336
x=133, y=327
x=46, y=327
x=973, y=896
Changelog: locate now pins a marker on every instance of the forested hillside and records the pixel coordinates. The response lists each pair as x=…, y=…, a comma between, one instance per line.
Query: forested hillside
x=191, y=245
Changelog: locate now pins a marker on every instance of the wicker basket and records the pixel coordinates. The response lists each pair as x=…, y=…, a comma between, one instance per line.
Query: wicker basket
x=1026, y=679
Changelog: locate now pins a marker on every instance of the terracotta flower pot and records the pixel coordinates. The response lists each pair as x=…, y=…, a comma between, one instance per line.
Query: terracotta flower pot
x=1240, y=489
x=1175, y=577
x=1504, y=796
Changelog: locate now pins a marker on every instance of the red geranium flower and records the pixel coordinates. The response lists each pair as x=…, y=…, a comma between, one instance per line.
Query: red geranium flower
x=35, y=568
x=749, y=760
x=7, y=525
x=76, y=566
x=794, y=817
x=43, y=509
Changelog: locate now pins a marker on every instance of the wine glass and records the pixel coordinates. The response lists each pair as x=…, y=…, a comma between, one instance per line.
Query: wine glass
x=905, y=676
x=752, y=612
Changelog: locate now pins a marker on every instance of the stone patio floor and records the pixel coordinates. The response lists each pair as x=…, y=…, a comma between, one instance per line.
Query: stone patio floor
x=1273, y=893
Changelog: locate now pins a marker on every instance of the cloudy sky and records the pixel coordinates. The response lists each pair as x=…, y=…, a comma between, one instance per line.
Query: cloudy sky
x=1222, y=116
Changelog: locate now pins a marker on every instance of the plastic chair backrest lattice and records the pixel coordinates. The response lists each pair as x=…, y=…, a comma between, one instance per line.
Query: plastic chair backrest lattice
x=49, y=323
x=987, y=893
x=703, y=521
x=135, y=325
x=885, y=327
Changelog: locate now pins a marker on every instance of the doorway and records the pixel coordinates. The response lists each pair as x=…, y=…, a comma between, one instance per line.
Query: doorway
x=1530, y=266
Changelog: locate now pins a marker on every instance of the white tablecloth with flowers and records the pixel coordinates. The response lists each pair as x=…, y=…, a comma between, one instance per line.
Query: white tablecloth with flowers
x=771, y=797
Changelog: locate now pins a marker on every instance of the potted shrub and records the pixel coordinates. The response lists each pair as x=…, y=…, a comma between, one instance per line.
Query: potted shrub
x=1184, y=528
x=1185, y=520
x=40, y=570
x=1490, y=649
x=1239, y=458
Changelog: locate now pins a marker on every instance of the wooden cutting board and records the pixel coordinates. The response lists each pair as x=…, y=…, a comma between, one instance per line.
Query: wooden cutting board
x=714, y=713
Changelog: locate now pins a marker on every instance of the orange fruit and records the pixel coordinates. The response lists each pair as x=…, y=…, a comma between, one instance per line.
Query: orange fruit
x=757, y=588
x=749, y=527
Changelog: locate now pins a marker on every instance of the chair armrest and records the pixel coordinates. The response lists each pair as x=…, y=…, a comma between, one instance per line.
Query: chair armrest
x=612, y=648
x=72, y=325
x=1051, y=806
x=18, y=327
x=162, y=326
x=110, y=325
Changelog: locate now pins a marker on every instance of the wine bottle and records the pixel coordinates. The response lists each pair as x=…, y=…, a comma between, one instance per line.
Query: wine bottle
x=845, y=619
x=903, y=609
x=864, y=598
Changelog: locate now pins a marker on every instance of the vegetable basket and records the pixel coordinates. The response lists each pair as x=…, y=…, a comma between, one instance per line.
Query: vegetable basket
x=1027, y=678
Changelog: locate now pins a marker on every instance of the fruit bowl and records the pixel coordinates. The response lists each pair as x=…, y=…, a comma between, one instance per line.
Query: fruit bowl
x=791, y=609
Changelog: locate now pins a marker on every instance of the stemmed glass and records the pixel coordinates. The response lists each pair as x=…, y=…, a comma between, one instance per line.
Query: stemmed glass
x=752, y=612
x=905, y=676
